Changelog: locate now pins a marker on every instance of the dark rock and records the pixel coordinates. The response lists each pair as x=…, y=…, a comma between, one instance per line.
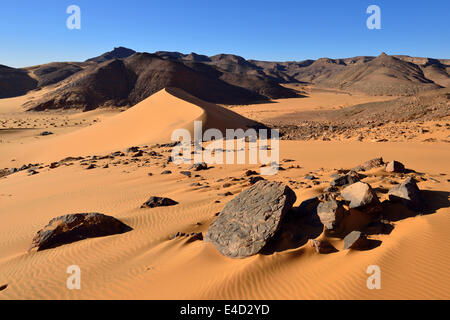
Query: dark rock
x=196, y=236
x=3, y=287
x=132, y=149
x=395, y=166
x=374, y=163
x=54, y=165
x=154, y=202
x=356, y=240
x=362, y=197
x=255, y=179
x=409, y=194
x=166, y=172
x=227, y=185
x=186, y=173
x=322, y=247
x=92, y=166
x=199, y=166
x=310, y=177
x=251, y=219
x=138, y=154
x=32, y=172
x=46, y=133
x=349, y=178
x=75, y=227
x=249, y=173
x=331, y=213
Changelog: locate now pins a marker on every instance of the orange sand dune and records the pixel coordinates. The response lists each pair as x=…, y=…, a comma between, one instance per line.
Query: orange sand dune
x=150, y=121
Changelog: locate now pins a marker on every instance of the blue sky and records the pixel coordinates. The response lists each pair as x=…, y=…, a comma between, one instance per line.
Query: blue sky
x=34, y=32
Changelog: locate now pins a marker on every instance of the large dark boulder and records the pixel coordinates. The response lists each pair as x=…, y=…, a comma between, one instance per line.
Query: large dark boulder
x=409, y=194
x=250, y=220
x=75, y=227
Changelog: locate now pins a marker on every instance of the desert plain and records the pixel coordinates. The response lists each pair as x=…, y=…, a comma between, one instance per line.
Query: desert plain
x=112, y=159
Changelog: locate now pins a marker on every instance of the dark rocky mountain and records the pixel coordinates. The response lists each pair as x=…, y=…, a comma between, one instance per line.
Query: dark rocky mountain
x=15, y=82
x=123, y=77
x=117, y=53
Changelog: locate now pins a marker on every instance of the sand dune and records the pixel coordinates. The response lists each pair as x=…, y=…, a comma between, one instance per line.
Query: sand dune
x=150, y=121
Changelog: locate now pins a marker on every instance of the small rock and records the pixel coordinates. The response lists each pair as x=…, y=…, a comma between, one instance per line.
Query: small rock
x=355, y=240
x=331, y=213
x=186, y=173
x=166, y=172
x=154, y=202
x=361, y=196
x=46, y=133
x=132, y=149
x=75, y=227
x=322, y=247
x=199, y=166
x=409, y=194
x=349, y=178
x=255, y=179
x=395, y=166
x=374, y=163
x=249, y=173
x=54, y=165
x=3, y=287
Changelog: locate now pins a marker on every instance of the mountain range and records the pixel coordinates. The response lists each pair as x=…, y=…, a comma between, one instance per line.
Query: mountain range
x=123, y=77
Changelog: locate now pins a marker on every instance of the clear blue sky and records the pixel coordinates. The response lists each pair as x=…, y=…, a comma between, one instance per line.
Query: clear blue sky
x=34, y=32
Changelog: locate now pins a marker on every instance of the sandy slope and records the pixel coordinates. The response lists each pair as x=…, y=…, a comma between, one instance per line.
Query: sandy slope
x=145, y=263
x=150, y=121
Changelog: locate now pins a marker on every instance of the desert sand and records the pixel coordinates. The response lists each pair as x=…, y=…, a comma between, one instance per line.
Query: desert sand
x=147, y=263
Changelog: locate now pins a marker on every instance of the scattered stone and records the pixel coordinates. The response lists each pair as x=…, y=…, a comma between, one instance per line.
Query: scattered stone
x=251, y=219
x=75, y=227
x=255, y=179
x=166, y=172
x=186, y=173
x=106, y=166
x=331, y=213
x=199, y=166
x=356, y=240
x=91, y=166
x=132, y=149
x=349, y=178
x=322, y=247
x=361, y=196
x=374, y=163
x=310, y=177
x=32, y=172
x=54, y=165
x=138, y=154
x=409, y=194
x=249, y=173
x=395, y=166
x=227, y=185
x=154, y=202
